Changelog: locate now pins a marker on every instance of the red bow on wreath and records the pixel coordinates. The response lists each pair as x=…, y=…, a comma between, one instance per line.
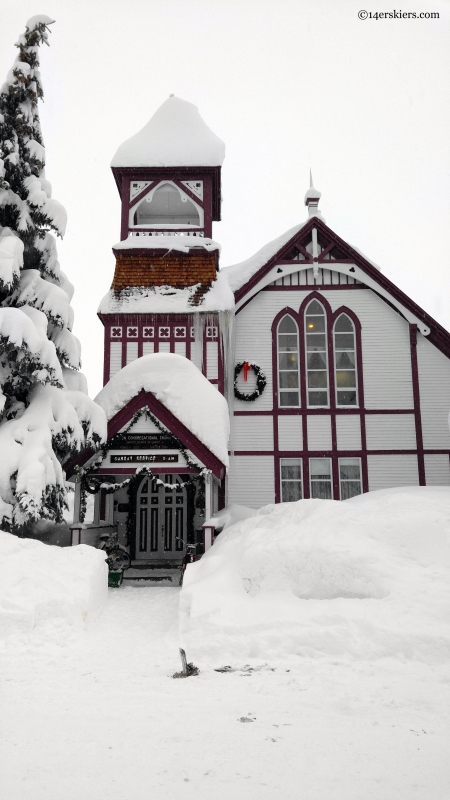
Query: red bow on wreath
x=246, y=369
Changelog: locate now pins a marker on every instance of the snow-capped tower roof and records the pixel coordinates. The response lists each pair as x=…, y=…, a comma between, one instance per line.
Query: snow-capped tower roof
x=176, y=136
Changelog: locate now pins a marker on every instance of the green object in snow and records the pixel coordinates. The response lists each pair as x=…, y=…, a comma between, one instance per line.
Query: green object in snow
x=115, y=579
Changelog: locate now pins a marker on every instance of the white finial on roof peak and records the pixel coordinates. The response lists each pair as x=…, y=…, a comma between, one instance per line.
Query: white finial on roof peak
x=312, y=198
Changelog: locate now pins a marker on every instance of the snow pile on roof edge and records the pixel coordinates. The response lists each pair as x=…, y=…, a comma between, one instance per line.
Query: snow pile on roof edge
x=181, y=388
x=181, y=243
x=168, y=299
x=175, y=136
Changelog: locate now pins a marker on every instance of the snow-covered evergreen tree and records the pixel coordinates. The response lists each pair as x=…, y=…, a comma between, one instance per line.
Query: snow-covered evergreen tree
x=45, y=413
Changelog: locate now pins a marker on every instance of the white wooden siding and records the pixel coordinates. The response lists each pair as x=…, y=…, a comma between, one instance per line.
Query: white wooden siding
x=148, y=348
x=132, y=351
x=434, y=386
x=164, y=347
x=437, y=470
x=253, y=433
x=251, y=481
x=254, y=342
x=388, y=471
x=390, y=432
x=319, y=433
x=290, y=433
x=180, y=348
x=385, y=342
x=115, y=358
x=348, y=432
x=212, y=361
x=142, y=425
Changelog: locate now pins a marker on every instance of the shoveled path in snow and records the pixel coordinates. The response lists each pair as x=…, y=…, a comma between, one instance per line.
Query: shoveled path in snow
x=96, y=715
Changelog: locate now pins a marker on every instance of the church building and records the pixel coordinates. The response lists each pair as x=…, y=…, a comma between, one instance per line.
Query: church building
x=302, y=372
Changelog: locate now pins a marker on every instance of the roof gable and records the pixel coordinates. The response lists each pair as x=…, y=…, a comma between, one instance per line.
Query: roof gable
x=167, y=419
x=172, y=423
x=294, y=247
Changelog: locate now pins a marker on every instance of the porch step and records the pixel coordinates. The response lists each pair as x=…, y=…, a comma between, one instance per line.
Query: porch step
x=156, y=575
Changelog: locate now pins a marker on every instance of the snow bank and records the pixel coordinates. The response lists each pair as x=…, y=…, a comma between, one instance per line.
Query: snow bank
x=181, y=387
x=41, y=585
x=364, y=579
x=176, y=136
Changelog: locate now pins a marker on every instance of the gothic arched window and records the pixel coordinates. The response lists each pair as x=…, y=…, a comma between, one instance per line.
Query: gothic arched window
x=288, y=382
x=167, y=205
x=345, y=361
x=316, y=354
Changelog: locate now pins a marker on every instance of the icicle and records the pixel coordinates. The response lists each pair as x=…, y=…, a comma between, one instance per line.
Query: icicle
x=199, y=334
x=227, y=344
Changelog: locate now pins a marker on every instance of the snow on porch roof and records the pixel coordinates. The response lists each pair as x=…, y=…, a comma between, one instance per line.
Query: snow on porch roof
x=181, y=388
x=176, y=136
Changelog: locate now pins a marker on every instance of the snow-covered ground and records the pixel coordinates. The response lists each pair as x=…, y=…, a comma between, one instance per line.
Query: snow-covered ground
x=98, y=715
x=94, y=712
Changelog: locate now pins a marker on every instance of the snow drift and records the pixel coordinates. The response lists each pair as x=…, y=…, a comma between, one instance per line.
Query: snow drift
x=42, y=585
x=365, y=578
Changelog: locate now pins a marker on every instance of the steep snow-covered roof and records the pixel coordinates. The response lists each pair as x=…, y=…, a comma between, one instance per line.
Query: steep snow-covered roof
x=238, y=274
x=181, y=388
x=176, y=136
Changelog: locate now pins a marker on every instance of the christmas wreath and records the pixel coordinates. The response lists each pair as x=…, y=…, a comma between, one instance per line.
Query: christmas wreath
x=261, y=381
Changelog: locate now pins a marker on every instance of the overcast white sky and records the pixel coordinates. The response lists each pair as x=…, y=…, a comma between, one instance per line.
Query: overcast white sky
x=287, y=85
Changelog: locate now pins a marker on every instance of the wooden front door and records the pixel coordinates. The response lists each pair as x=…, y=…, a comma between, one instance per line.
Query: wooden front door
x=161, y=519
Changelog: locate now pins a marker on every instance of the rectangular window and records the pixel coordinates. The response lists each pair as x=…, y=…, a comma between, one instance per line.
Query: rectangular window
x=115, y=358
x=212, y=360
x=180, y=348
x=132, y=351
x=148, y=348
x=349, y=477
x=291, y=480
x=320, y=478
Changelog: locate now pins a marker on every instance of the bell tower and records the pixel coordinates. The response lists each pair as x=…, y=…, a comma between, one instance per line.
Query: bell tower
x=168, y=175
x=160, y=301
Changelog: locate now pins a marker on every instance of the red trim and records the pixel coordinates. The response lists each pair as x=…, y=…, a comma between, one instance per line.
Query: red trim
x=169, y=420
x=156, y=321
x=318, y=411
x=316, y=287
x=438, y=335
x=340, y=454
x=172, y=423
x=211, y=177
x=416, y=396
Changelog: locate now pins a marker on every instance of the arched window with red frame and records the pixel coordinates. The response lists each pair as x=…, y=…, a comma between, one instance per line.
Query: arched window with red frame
x=288, y=363
x=317, y=381
x=345, y=365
